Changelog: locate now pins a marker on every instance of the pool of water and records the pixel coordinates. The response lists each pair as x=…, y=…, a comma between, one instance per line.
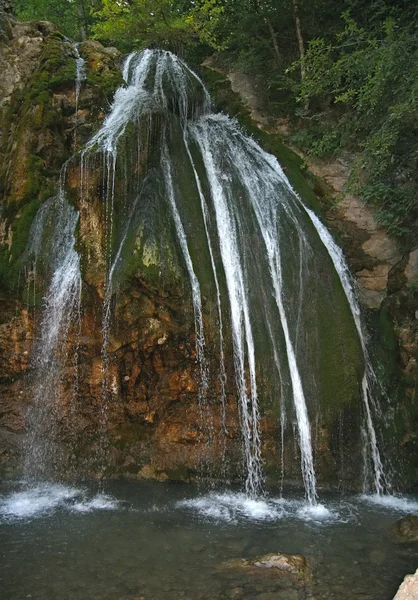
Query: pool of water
x=149, y=541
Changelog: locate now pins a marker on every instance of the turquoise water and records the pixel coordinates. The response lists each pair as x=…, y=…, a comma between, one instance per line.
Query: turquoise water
x=151, y=541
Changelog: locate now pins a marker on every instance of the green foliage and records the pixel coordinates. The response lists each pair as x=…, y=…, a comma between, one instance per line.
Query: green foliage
x=368, y=81
x=205, y=20
x=143, y=23
x=67, y=15
x=360, y=86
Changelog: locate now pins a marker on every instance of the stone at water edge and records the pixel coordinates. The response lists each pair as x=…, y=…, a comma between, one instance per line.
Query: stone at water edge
x=407, y=529
x=292, y=564
x=409, y=588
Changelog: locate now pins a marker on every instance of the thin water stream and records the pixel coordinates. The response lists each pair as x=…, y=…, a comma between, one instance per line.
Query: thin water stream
x=60, y=312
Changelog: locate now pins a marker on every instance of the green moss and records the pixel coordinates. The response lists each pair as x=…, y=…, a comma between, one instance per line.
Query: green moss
x=10, y=260
x=34, y=112
x=34, y=178
x=103, y=76
x=105, y=83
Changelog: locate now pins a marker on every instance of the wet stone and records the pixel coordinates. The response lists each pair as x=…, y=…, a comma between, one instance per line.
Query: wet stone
x=406, y=529
x=294, y=564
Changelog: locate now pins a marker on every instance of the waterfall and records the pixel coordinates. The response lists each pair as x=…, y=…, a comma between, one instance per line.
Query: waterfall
x=204, y=207
x=260, y=244
x=196, y=295
x=240, y=315
x=61, y=310
x=222, y=143
x=369, y=378
x=160, y=83
x=80, y=76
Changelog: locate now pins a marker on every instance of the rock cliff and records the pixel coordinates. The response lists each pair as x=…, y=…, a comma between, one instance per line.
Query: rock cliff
x=153, y=425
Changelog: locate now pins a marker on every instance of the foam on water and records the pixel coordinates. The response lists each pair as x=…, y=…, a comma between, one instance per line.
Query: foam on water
x=99, y=502
x=396, y=503
x=43, y=499
x=231, y=507
x=36, y=500
x=319, y=512
x=236, y=507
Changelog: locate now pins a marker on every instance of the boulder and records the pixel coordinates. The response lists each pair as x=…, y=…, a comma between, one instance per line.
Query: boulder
x=407, y=529
x=275, y=563
x=409, y=588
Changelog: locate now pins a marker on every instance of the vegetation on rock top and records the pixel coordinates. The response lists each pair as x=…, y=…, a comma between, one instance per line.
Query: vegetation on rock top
x=345, y=72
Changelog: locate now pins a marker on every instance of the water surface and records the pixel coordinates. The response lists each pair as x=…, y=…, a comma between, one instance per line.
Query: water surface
x=149, y=541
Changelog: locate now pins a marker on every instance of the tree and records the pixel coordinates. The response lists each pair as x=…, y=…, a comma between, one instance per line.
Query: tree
x=141, y=23
x=70, y=16
x=372, y=74
x=299, y=36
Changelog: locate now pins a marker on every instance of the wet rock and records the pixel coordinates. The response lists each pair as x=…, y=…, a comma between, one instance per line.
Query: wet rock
x=95, y=46
x=237, y=593
x=406, y=528
x=409, y=588
x=291, y=565
x=411, y=270
x=149, y=472
x=295, y=564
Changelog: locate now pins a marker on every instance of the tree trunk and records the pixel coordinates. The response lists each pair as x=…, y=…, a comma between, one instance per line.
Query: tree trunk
x=81, y=20
x=273, y=36
x=299, y=36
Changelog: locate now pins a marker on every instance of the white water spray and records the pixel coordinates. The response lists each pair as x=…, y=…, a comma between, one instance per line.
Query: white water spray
x=61, y=306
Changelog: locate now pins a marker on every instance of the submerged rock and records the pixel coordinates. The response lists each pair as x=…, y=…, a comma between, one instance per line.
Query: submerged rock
x=281, y=564
x=407, y=529
x=295, y=564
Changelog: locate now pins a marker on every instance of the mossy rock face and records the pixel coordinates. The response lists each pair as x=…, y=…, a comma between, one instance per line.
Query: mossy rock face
x=153, y=424
x=102, y=73
x=35, y=152
x=40, y=132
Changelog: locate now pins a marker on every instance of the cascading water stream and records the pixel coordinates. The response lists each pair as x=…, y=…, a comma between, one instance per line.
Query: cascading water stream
x=240, y=317
x=255, y=230
x=220, y=142
x=369, y=378
x=61, y=309
x=80, y=76
x=204, y=207
x=196, y=295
